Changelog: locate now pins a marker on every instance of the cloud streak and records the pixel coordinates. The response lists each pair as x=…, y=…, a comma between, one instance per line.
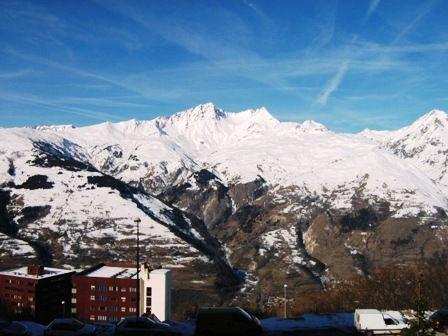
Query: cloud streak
x=16, y=74
x=332, y=85
x=372, y=7
x=422, y=12
x=50, y=104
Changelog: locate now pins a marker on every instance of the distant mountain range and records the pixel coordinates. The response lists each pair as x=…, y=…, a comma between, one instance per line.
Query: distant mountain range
x=234, y=201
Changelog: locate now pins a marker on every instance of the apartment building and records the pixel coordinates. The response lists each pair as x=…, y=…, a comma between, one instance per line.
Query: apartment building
x=108, y=293
x=42, y=292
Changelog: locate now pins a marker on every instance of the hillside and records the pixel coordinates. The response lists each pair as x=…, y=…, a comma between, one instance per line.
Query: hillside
x=243, y=200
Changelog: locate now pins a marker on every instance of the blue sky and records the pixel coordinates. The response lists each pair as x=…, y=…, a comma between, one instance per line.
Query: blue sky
x=348, y=64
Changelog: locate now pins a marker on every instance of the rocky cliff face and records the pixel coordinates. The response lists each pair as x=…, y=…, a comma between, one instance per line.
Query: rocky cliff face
x=237, y=204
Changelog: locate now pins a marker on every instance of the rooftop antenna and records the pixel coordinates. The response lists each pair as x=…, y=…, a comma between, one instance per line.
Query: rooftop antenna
x=137, y=221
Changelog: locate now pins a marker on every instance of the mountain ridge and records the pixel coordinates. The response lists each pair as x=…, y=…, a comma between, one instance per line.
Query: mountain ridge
x=242, y=201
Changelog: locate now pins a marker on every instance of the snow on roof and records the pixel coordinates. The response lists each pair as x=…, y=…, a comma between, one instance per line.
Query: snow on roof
x=160, y=271
x=114, y=272
x=368, y=311
x=48, y=272
x=121, y=272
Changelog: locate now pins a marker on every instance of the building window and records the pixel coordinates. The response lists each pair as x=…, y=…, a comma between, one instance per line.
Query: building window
x=103, y=298
x=123, y=289
x=92, y=317
x=102, y=308
x=132, y=309
x=123, y=309
x=148, y=301
x=102, y=318
x=148, y=291
x=132, y=289
x=30, y=299
x=73, y=310
x=73, y=300
x=112, y=318
x=74, y=290
x=102, y=287
x=123, y=299
x=92, y=297
x=92, y=287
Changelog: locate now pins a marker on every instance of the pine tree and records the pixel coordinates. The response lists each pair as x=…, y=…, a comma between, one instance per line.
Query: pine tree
x=420, y=325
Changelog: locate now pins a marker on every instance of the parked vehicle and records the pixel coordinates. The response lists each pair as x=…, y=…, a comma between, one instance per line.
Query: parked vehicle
x=374, y=322
x=226, y=321
x=13, y=329
x=143, y=326
x=440, y=320
x=69, y=327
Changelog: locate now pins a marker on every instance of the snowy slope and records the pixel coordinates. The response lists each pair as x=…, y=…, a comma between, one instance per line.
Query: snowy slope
x=239, y=147
x=74, y=208
x=423, y=144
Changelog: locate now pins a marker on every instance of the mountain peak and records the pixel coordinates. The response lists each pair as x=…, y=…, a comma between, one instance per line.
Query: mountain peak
x=311, y=125
x=201, y=112
x=433, y=119
x=259, y=115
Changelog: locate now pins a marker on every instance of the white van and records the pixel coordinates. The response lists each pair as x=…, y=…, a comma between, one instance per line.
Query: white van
x=375, y=322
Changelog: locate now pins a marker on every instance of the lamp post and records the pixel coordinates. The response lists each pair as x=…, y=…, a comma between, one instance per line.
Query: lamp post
x=284, y=289
x=63, y=309
x=137, y=222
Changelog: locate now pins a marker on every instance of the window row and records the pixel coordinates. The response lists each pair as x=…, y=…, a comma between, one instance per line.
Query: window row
x=103, y=318
x=105, y=298
x=19, y=282
x=113, y=288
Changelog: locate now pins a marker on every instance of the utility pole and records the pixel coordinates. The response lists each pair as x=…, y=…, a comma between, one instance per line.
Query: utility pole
x=284, y=288
x=137, y=222
x=420, y=315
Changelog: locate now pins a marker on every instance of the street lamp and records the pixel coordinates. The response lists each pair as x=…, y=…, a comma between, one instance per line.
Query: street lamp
x=63, y=308
x=284, y=289
x=137, y=222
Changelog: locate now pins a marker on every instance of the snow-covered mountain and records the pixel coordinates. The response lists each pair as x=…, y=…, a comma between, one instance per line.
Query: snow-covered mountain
x=235, y=190
x=423, y=144
x=239, y=147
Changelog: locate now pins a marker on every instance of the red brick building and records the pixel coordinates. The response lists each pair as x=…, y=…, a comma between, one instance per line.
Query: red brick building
x=42, y=292
x=108, y=293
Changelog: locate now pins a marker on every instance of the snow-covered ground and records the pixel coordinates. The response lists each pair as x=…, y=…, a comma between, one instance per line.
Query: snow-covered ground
x=307, y=322
x=406, y=167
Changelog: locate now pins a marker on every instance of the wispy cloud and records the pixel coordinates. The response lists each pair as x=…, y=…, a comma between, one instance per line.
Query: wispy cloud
x=259, y=12
x=425, y=9
x=50, y=104
x=16, y=74
x=372, y=7
x=332, y=85
x=325, y=28
x=153, y=94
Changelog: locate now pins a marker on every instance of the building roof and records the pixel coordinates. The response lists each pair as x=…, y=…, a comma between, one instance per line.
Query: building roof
x=160, y=271
x=119, y=271
x=113, y=272
x=48, y=272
